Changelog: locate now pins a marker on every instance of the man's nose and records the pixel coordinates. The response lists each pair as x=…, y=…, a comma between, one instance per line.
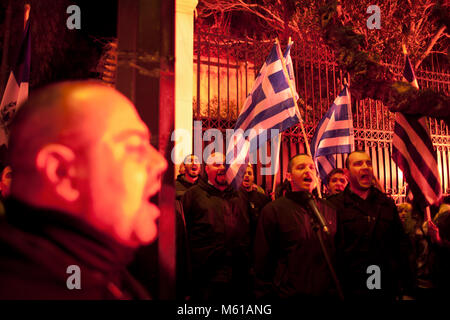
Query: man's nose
x=157, y=163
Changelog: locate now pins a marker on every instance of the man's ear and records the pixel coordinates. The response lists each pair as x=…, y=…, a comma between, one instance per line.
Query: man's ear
x=289, y=176
x=56, y=164
x=347, y=174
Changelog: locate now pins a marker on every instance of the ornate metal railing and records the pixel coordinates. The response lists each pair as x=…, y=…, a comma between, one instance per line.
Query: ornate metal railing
x=226, y=67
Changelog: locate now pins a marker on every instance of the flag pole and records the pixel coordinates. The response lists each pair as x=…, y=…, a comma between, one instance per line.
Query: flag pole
x=428, y=213
x=277, y=166
x=26, y=15
x=286, y=74
x=308, y=150
x=277, y=159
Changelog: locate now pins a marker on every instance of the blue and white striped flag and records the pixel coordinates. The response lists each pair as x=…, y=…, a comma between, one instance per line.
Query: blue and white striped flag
x=290, y=68
x=268, y=110
x=413, y=151
x=334, y=134
x=16, y=91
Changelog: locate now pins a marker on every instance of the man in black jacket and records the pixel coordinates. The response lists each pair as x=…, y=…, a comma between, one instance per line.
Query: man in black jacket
x=372, y=249
x=253, y=197
x=183, y=267
x=289, y=260
x=83, y=173
x=218, y=231
x=190, y=176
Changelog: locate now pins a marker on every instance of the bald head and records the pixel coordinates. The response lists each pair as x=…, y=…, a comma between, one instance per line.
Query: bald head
x=215, y=170
x=81, y=148
x=61, y=113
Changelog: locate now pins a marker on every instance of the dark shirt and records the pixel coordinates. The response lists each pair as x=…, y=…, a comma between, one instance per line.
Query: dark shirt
x=289, y=261
x=255, y=203
x=38, y=245
x=182, y=185
x=370, y=233
x=441, y=265
x=217, y=225
x=183, y=265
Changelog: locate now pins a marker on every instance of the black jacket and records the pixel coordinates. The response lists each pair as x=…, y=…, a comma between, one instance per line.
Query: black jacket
x=255, y=201
x=182, y=185
x=183, y=265
x=218, y=231
x=289, y=261
x=370, y=233
x=441, y=263
x=37, y=246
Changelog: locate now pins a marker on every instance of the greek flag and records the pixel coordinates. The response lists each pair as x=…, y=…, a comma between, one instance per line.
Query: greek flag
x=268, y=110
x=413, y=151
x=16, y=91
x=333, y=135
x=290, y=68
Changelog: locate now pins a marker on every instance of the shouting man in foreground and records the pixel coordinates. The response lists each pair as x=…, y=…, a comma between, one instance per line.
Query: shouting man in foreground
x=83, y=174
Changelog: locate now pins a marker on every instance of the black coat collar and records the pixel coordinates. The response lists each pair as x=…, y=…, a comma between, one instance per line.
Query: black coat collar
x=213, y=191
x=70, y=233
x=375, y=195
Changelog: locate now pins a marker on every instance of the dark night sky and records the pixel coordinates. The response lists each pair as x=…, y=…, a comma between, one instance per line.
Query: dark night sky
x=98, y=17
x=57, y=52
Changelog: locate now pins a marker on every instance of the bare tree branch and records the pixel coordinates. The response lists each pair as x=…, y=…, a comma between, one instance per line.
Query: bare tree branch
x=430, y=46
x=410, y=21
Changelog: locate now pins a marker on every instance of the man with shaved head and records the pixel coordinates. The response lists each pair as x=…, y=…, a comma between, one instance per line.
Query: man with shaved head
x=289, y=260
x=190, y=177
x=218, y=229
x=370, y=237
x=83, y=173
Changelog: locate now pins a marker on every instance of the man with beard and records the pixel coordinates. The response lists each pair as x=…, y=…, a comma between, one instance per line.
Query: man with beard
x=83, y=173
x=372, y=249
x=190, y=176
x=336, y=181
x=289, y=260
x=253, y=197
x=218, y=231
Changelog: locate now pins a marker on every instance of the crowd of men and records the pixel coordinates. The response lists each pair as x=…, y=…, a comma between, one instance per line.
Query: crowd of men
x=77, y=199
x=242, y=244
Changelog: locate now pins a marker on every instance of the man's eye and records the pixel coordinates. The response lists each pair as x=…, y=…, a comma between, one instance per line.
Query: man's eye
x=137, y=148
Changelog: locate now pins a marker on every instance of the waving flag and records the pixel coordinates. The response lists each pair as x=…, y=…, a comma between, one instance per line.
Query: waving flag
x=16, y=91
x=290, y=68
x=333, y=135
x=268, y=110
x=413, y=151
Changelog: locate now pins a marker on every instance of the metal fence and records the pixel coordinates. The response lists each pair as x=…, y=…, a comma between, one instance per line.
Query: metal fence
x=226, y=68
